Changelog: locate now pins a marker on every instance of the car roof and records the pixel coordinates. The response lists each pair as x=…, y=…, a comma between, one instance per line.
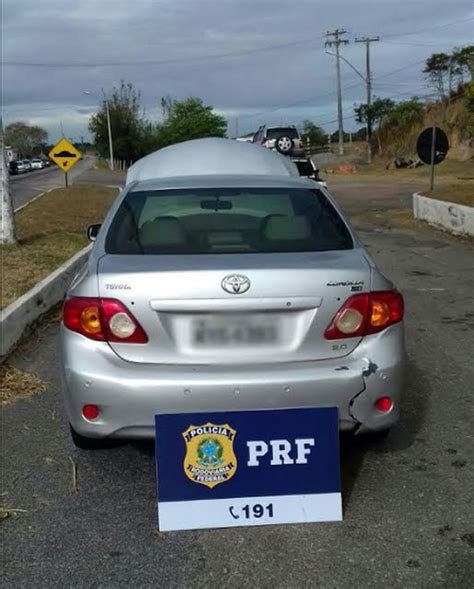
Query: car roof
x=221, y=181
x=209, y=157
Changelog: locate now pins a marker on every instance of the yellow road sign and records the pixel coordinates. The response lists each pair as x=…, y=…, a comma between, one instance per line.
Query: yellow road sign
x=64, y=155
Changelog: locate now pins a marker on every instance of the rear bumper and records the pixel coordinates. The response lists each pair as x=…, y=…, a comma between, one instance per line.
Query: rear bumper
x=129, y=394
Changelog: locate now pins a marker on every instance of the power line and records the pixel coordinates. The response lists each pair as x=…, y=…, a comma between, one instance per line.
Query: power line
x=214, y=56
x=159, y=61
x=401, y=69
x=298, y=103
x=442, y=26
x=409, y=43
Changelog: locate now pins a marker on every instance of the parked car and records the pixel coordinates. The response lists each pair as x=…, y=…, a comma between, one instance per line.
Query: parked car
x=37, y=164
x=13, y=168
x=23, y=166
x=286, y=140
x=229, y=283
x=307, y=169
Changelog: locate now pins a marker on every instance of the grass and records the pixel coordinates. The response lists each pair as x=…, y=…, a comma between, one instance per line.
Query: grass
x=49, y=231
x=459, y=194
x=448, y=172
x=17, y=384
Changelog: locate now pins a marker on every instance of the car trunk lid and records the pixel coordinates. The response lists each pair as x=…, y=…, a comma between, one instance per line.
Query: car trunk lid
x=190, y=318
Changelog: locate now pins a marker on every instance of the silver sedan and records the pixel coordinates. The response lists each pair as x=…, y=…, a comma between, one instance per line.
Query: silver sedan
x=221, y=280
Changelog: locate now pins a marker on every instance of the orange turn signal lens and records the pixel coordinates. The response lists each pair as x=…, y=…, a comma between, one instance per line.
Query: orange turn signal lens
x=90, y=320
x=380, y=313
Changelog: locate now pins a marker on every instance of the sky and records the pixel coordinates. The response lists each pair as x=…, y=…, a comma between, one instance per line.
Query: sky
x=254, y=61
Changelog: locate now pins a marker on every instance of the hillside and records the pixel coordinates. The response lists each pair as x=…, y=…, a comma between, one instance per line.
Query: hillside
x=456, y=117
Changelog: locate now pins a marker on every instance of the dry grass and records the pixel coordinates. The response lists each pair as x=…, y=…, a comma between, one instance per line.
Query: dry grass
x=389, y=219
x=50, y=230
x=448, y=172
x=16, y=384
x=459, y=194
x=398, y=219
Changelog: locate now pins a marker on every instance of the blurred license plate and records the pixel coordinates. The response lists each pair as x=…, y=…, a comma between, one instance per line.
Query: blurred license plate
x=233, y=332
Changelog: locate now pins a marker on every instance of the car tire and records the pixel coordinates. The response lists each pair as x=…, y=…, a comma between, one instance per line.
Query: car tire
x=89, y=443
x=374, y=435
x=284, y=145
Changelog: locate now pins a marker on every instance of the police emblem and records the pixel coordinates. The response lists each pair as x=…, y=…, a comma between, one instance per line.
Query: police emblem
x=210, y=458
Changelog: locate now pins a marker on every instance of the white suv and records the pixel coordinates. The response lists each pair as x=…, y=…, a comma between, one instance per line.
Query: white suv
x=285, y=140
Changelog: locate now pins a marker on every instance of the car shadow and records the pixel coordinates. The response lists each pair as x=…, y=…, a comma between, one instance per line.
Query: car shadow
x=355, y=449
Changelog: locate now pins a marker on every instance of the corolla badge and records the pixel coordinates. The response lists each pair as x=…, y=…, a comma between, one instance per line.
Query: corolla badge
x=235, y=284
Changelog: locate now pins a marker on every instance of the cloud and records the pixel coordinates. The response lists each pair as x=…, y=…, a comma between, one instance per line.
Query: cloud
x=163, y=47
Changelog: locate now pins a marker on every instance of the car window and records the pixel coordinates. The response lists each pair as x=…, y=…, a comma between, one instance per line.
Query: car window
x=226, y=220
x=282, y=131
x=304, y=168
x=258, y=135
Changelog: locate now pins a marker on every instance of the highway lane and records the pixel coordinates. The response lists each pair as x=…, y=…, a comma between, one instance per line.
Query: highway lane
x=25, y=187
x=408, y=517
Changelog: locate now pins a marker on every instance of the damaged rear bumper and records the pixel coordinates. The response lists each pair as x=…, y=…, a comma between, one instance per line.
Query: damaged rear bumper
x=130, y=394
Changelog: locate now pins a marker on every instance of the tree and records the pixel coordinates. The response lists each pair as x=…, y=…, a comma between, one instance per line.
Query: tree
x=315, y=134
x=335, y=137
x=28, y=140
x=188, y=119
x=360, y=134
x=441, y=69
x=130, y=131
x=7, y=217
x=463, y=58
x=407, y=112
x=377, y=112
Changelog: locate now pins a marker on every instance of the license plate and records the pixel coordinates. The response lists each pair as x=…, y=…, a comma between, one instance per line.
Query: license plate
x=234, y=332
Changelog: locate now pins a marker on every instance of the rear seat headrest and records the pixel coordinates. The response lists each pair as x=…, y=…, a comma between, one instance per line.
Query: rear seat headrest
x=285, y=228
x=162, y=231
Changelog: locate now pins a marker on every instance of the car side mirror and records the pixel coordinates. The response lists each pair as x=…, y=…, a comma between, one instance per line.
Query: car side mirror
x=93, y=231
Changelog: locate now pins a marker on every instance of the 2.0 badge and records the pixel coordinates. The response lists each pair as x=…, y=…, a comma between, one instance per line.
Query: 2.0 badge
x=210, y=458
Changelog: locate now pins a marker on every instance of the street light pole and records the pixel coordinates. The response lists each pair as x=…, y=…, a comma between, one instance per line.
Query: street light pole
x=109, y=129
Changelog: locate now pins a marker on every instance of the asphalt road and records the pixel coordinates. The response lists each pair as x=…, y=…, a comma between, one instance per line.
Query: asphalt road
x=25, y=187
x=408, y=507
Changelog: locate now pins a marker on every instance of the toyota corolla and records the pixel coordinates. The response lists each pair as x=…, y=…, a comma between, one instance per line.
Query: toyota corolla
x=221, y=280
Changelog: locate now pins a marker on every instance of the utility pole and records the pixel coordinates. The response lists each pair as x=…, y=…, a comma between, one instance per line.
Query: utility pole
x=368, y=81
x=7, y=217
x=236, y=127
x=336, y=41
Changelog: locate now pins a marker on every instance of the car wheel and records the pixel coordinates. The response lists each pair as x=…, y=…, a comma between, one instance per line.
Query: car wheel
x=284, y=144
x=89, y=443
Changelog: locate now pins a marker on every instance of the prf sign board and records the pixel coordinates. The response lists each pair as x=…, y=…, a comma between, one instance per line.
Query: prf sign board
x=244, y=468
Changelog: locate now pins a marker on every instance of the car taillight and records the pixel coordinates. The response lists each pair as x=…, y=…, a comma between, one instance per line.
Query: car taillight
x=367, y=313
x=106, y=320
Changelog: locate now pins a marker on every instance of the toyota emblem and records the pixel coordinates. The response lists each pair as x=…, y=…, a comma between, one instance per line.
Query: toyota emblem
x=235, y=284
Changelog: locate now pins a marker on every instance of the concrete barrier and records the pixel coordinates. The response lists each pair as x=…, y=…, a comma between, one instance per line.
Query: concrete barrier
x=457, y=219
x=22, y=313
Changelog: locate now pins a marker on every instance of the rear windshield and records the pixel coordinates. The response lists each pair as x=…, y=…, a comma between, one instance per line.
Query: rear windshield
x=226, y=220
x=290, y=132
